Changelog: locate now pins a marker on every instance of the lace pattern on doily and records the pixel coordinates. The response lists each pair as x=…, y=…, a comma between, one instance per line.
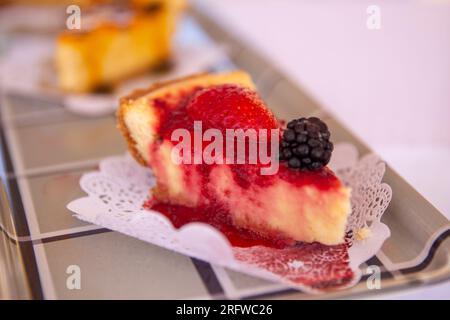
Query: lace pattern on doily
x=370, y=197
x=117, y=191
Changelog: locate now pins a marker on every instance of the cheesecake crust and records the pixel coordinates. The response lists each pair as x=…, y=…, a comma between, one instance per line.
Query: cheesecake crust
x=125, y=104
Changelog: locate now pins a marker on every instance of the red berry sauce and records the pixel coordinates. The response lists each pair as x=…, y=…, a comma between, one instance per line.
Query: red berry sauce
x=218, y=217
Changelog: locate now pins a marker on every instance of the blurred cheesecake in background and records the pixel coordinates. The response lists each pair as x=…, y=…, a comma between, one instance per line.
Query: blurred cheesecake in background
x=116, y=42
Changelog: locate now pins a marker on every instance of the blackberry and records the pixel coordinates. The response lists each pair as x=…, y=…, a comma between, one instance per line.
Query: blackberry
x=306, y=144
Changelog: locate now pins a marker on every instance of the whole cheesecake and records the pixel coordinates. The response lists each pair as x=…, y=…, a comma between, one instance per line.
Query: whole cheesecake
x=293, y=204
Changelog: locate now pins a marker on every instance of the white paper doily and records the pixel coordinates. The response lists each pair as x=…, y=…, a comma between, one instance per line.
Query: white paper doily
x=117, y=192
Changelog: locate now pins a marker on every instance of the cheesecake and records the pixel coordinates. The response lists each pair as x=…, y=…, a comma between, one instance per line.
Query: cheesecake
x=115, y=43
x=294, y=203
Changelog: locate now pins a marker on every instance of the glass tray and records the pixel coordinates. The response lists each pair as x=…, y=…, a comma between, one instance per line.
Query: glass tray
x=45, y=149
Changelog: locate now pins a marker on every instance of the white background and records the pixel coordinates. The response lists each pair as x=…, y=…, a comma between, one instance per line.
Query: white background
x=390, y=86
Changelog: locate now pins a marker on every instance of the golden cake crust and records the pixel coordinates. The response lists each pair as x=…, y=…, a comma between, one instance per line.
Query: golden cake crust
x=125, y=104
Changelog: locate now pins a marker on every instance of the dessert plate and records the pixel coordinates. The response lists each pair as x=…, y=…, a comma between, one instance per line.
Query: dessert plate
x=45, y=152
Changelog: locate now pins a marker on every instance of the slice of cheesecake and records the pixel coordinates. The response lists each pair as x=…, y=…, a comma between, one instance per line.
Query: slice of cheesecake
x=113, y=44
x=291, y=204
